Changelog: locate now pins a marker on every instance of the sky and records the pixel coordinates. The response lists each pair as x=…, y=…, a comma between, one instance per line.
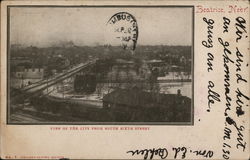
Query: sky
x=47, y=26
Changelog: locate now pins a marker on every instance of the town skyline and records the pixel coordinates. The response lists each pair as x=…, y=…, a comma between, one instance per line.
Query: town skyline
x=62, y=44
x=45, y=27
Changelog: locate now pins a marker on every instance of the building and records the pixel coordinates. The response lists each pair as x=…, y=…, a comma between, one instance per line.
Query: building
x=148, y=106
x=26, y=76
x=183, y=60
x=158, y=66
x=33, y=73
x=122, y=70
x=145, y=71
x=57, y=63
x=85, y=83
x=20, y=60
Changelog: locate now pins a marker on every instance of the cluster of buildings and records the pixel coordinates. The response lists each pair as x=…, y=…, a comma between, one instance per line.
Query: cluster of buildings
x=26, y=76
x=23, y=73
x=25, y=70
x=126, y=70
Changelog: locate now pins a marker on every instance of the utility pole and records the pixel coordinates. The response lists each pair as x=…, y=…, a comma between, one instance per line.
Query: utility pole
x=63, y=89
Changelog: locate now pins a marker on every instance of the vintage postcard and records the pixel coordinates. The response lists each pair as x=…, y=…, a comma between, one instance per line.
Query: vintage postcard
x=125, y=80
x=104, y=69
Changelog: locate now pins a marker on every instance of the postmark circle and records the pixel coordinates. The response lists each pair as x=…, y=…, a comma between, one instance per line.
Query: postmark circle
x=122, y=30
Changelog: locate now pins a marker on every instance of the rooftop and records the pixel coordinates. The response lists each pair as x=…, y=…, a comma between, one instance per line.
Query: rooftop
x=138, y=98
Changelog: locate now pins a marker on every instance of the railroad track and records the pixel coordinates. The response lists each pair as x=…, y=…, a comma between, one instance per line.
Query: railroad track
x=32, y=116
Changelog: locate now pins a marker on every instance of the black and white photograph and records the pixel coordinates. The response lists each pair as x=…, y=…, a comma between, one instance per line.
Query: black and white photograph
x=100, y=65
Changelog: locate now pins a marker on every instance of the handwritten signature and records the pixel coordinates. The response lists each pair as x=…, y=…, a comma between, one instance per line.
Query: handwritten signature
x=178, y=152
x=150, y=153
